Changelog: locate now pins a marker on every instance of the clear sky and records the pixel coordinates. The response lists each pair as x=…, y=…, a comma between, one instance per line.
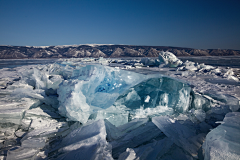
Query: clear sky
x=202, y=24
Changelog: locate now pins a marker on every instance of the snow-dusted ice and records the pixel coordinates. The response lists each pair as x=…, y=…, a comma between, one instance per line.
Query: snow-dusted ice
x=139, y=108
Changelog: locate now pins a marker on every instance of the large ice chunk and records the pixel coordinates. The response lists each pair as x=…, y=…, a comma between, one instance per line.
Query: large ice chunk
x=169, y=59
x=156, y=96
x=92, y=88
x=223, y=142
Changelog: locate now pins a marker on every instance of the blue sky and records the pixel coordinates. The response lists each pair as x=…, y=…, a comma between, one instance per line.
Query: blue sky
x=202, y=24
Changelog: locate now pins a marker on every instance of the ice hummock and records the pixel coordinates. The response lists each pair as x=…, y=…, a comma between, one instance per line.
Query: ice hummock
x=169, y=59
x=100, y=92
x=92, y=88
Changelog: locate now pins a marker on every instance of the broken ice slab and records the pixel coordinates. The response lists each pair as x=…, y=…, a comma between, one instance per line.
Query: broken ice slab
x=20, y=153
x=114, y=132
x=11, y=111
x=7, y=130
x=231, y=101
x=34, y=121
x=176, y=153
x=141, y=135
x=91, y=148
x=85, y=142
x=49, y=130
x=181, y=135
x=41, y=78
x=156, y=96
x=43, y=111
x=29, y=92
x=85, y=132
x=223, y=142
x=40, y=129
x=36, y=140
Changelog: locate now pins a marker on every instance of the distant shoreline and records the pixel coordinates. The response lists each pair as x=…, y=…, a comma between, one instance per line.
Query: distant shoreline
x=106, y=51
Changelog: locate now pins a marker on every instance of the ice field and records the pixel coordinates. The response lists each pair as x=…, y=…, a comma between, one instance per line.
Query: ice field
x=134, y=109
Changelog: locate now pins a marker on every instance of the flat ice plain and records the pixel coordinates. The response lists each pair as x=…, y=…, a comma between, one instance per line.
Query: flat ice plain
x=131, y=108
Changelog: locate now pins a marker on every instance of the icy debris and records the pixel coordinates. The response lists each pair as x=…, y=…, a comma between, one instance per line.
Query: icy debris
x=223, y=142
x=35, y=130
x=230, y=75
x=103, y=61
x=193, y=67
x=150, y=62
x=188, y=65
x=169, y=59
x=226, y=99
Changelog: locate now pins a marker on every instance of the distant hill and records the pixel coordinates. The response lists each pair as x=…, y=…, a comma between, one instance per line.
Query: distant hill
x=79, y=51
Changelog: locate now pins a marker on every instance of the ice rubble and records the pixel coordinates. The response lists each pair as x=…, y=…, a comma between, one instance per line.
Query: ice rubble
x=169, y=59
x=145, y=116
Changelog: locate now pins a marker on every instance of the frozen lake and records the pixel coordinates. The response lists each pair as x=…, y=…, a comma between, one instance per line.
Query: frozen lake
x=11, y=63
x=227, y=61
x=121, y=108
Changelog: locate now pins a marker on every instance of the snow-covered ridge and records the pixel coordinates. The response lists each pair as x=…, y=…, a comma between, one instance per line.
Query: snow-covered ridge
x=77, y=45
x=107, y=50
x=73, y=45
x=97, y=108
